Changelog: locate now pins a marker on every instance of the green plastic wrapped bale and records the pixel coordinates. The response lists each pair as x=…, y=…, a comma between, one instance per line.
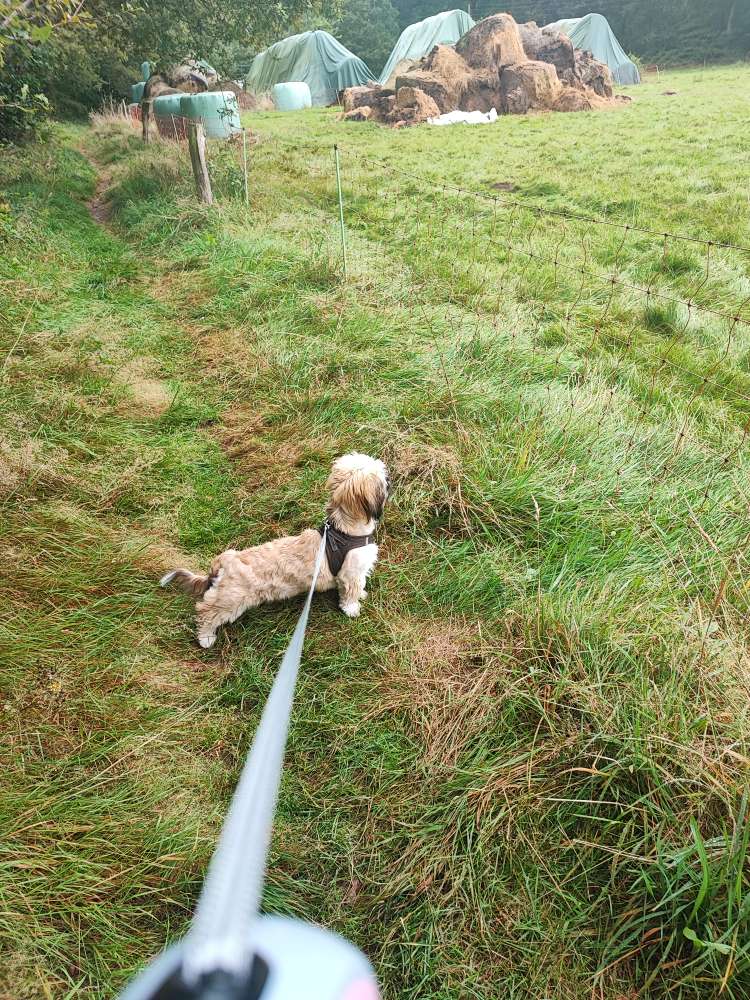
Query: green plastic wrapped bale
x=167, y=105
x=145, y=70
x=168, y=115
x=218, y=110
x=291, y=96
x=314, y=58
x=136, y=92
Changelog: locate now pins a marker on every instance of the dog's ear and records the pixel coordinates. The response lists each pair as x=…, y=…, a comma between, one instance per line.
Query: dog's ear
x=374, y=498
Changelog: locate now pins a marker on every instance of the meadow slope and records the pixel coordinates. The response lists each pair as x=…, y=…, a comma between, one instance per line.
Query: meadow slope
x=522, y=772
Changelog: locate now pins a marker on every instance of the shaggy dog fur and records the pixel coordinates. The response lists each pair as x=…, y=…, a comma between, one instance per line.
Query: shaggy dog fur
x=274, y=571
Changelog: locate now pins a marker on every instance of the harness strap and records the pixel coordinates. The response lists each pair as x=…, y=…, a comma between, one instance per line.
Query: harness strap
x=339, y=544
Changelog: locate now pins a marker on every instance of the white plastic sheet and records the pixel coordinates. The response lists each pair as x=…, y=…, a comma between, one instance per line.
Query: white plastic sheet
x=464, y=118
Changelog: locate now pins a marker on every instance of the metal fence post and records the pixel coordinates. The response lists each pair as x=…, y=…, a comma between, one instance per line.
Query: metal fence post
x=341, y=212
x=244, y=164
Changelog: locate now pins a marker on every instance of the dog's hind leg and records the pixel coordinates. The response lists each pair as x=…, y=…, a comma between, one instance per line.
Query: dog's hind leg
x=206, y=629
x=208, y=619
x=217, y=608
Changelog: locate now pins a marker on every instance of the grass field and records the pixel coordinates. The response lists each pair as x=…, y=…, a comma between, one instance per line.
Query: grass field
x=522, y=773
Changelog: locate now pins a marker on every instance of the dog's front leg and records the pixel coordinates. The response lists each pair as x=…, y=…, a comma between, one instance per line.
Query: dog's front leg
x=350, y=593
x=352, y=578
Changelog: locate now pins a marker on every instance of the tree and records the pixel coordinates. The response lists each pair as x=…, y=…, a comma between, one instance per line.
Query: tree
x=370, y=29
x=167, y=31
x=671, y=31
x=27, y=31
x=25, y=23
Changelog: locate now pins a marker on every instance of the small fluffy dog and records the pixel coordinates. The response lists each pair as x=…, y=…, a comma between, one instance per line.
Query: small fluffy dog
x=358, y=486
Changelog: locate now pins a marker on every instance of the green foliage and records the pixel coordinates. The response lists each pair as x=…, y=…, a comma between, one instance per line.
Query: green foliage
x=28, y=23
x=24, y=109
x=52, y=62
x=696, y=909
x=410, y=11
x=671, y=31
x=28, y=36
x=370, y=29
x=172, y=30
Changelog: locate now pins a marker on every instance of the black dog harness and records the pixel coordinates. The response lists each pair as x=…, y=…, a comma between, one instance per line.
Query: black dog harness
x=339, y=544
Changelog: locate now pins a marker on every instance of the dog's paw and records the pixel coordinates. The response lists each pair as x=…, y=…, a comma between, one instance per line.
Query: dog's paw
x=351, y=610
x=206, y=641
x=363, y=596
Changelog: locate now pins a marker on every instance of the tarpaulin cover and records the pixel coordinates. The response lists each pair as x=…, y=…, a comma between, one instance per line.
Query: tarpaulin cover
x=594, y=34
x=418, y=39
x=314, y=58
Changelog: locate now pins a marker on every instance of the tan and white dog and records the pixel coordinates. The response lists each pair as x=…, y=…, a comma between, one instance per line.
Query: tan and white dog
x=358, y=486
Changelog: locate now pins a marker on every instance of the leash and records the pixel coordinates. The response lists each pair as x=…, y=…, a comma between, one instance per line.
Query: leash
x=232, y=951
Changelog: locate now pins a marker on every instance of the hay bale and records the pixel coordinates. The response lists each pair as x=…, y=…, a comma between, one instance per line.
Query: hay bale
x=442, y=75
x=492, y=42
x=358, y=97
x=545, y=45
x=362, y=113
x=572, y=99
x=594, y=74
x=245, y=100
x=379, y=99
x=401, y=68
x=483, y=92
x=497, y=64
x=436, y=89
x=414, y=105
x=529, y=86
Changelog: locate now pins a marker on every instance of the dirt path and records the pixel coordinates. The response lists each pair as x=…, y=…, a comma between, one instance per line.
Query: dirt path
x=99, y=208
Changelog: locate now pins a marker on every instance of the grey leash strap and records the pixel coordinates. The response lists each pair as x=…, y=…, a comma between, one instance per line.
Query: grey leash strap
x=231, y=895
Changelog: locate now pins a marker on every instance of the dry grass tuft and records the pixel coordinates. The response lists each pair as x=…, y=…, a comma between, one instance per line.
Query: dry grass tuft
x=111, y=114
x=446, y=686
x=146, y=395
x=32, y=464
x=262, y=452
x=427, y=478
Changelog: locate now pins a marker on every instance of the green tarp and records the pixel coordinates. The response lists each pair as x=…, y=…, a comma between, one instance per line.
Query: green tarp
x=594, y=34
x=417, y=40
x=314, y=58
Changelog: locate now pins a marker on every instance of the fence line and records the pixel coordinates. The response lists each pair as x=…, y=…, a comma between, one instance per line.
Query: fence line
x=545, y=210
x=692, y=306
x=426, y=224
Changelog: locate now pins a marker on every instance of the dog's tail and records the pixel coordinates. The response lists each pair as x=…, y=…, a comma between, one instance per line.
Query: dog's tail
x=191, y=583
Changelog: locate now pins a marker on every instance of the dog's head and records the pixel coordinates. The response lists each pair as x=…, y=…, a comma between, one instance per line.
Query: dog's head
x=358, y=487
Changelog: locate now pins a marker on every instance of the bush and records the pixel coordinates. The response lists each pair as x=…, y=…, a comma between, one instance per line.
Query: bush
x=24, y=107
x=22, y=115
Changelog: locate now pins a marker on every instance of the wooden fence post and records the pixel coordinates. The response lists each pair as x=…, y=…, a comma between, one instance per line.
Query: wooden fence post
x=145, y=116
x=197, y=143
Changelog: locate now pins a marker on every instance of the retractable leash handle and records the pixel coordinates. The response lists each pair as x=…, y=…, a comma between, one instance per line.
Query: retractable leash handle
x=231, y=951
